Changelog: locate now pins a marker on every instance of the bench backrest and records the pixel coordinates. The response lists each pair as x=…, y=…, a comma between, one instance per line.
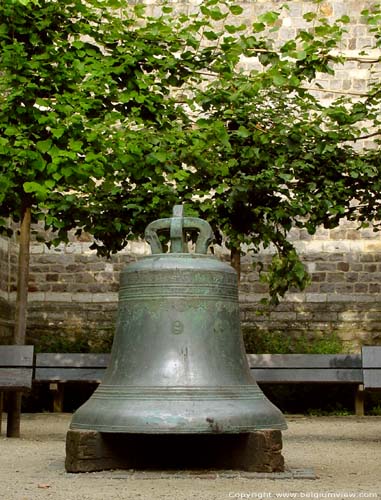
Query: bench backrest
x=270, y=368
x=307, y=368
x=16, y=367
x=70, y=367
x=371, y=361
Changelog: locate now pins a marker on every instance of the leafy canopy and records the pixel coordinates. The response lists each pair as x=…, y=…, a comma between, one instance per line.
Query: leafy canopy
x=109, y=116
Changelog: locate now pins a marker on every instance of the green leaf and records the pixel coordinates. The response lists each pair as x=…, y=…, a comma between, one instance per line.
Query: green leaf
x=39, y=164
x=160, y=156
x=44, y=146
x=243, y=132
x=301, y=55
x=11, y=130
x=232, y=28
x=309, y=16
x=269, y=17
x=75, y=145
x=35, y=188
x=26, y=2
x=236, y=10
x=279, y=79
x=57, y=132
x=344, y=19
x=211, y=35
x=217, y=14
x=258, y=27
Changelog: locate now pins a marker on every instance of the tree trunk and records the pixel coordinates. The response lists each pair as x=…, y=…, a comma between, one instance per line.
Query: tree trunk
x=235, y=261
x=14, y=399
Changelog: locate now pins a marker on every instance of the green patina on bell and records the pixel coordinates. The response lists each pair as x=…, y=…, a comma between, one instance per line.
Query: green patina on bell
x=178, y=362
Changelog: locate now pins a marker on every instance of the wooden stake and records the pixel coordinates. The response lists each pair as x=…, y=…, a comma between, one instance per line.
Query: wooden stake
x=22, y=278
x=14, y=400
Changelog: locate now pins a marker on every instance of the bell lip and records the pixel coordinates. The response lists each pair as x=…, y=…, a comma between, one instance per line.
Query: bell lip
x=206, y=417
x=140, y=423
x=281, y=426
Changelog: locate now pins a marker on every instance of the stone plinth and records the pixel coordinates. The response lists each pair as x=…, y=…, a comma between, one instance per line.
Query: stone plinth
x=89, y=451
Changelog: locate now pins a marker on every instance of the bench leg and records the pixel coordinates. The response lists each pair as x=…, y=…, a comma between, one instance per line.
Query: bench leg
x=58, y=396
x=14, y=414
x=359, y=400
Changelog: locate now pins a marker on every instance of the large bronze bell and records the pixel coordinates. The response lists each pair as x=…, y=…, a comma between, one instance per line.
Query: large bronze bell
x=178, y=363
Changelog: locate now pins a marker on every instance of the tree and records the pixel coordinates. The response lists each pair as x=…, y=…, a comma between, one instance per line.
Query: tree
x=109, y=116
x=276, y=158
x=86, y=103
x=259, y=154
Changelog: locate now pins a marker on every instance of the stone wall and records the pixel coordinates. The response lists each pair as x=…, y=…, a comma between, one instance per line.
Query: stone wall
x=73, y=293
x=351, y=77
x=344, y=294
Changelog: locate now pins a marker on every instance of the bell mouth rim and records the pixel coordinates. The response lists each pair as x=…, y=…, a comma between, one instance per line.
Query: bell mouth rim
x=171, y=431
x=184, y=410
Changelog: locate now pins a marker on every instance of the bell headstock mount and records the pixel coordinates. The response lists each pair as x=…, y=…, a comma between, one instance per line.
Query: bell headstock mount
x=177, y=225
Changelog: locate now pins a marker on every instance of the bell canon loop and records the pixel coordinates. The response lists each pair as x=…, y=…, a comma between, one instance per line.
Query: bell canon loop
x=178, y=363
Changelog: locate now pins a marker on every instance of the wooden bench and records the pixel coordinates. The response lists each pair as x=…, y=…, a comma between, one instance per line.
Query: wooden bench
x=371, y=363
x=310, y=368
x=59, y=369
x=16, y=372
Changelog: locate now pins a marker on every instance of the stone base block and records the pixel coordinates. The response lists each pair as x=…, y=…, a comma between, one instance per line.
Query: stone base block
x=89, y=451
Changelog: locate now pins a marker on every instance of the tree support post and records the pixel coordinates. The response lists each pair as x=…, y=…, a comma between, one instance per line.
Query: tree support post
x=14, y=401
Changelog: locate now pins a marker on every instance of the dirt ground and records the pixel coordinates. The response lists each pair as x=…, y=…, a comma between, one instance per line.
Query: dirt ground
x=344, y=453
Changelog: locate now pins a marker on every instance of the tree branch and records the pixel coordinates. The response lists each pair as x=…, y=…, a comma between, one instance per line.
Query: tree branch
x=341, y=92
x=368, y=136
x=362, y=59
x=358, y=58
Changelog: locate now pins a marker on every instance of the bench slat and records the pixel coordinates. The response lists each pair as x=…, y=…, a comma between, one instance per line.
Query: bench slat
x=255, y=360
x=301, y=375
x=265, y=368
x=372, y=379
x=304, y=360
x=87, y=360
x=69, y=374
x=16, y=355
x=276, y=367
x=371, y=358
x=15, y=379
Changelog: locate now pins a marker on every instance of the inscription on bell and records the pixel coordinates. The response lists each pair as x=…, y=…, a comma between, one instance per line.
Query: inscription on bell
x=176, y=277
x=177, y=327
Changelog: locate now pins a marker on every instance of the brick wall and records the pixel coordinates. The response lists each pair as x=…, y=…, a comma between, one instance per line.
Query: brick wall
x=353, y=75
x=344, y=294
x=73, y=293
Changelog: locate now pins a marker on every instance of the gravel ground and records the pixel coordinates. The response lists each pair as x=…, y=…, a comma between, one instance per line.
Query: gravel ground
x=344, y=453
